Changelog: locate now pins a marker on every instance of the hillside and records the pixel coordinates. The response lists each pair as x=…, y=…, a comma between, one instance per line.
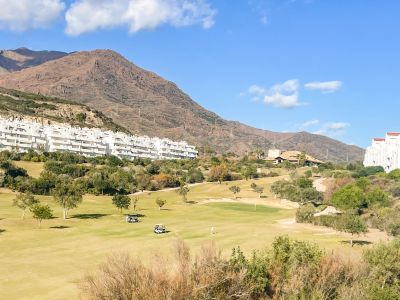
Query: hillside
x=22, y=58
x=145, y=103
x=46, y=110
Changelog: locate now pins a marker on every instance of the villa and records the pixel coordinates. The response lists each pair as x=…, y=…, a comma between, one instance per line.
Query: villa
x=277, y=157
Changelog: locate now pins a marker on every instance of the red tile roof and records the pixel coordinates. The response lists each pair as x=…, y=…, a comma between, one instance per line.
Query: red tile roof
x=379, y=139
x=393, y=133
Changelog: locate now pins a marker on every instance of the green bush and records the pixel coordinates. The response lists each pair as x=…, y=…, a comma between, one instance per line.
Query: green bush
x=305, y=213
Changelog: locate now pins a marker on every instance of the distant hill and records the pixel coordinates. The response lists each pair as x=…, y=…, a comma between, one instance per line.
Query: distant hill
x=22, y=58
x=145, y=103
x=49, y=110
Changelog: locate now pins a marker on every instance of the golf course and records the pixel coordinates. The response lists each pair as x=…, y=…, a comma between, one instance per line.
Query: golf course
x=46, y=262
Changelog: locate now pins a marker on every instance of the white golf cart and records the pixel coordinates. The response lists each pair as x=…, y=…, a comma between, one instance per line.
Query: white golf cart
x=132, y=218
x=159, y=229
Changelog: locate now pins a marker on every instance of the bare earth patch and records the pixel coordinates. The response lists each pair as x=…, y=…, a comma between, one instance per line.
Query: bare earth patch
x=276, y=203
x=373, y=236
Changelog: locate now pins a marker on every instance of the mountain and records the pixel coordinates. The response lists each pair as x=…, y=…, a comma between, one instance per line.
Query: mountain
x=50, y=110
x=22, y=58
x=145, y=103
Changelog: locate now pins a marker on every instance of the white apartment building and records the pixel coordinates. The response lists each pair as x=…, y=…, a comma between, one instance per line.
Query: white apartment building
x=384, y=152
x=19, y=135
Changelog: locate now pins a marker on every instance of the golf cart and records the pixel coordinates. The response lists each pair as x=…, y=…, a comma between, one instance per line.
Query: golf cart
x=159, y=228
x=132, y=218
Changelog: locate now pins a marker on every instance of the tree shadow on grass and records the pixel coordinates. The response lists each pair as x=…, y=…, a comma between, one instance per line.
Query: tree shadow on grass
x=2, y=230
x=264, y=197
x=191, y=202
x=357, y=242
x=88, y=216
x=136, y=215
x=59, y=227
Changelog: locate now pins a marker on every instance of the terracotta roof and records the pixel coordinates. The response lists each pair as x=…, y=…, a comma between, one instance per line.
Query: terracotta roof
x=294, y=156
x=379, y=139
x=393, y=133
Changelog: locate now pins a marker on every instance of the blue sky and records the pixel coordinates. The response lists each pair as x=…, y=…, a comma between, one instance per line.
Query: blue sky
x=330, y=67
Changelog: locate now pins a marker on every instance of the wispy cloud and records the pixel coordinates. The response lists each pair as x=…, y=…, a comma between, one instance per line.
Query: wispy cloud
x=333, y=129
x=324, y=86
x=285, y=95
x=90, y=15
x=308, y=124
x=21, y=15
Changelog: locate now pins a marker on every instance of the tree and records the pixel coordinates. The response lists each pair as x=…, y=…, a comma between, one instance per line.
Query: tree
x=99, y=181
x=121, y=201
x=25, y=201
x=143, y=181
x=304, y=182
x=68, y=196
x=352, y=224
x=280, y=187
x=219, y=173
x=311, y=195
x=41, y=212
x=160, y=203
x=235, y=190
x=257, y=189
x=122, y=182
x=135, y=202
x=249, y=172
x=183, y=191
x=349, y=197
x=194, y=175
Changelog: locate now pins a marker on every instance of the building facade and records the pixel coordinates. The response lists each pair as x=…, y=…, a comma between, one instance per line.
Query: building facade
x=19, y=135
x=384, y=152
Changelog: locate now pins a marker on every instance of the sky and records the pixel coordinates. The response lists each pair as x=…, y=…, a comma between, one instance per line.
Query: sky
x=323, y=66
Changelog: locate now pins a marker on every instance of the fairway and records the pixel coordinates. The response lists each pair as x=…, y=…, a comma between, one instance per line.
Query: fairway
x=47, y=262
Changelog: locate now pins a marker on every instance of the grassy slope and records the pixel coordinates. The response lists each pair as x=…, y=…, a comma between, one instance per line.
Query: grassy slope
x=34, y=169
x=46, y=263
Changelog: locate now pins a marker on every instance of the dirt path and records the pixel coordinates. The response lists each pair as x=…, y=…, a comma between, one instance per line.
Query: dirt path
x=319, y=185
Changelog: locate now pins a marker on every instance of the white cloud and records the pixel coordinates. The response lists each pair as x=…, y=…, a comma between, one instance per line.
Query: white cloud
x=324, y=86
x=333, y=129
x=20, y=15
x=309, y=124
x=90, y=15
x=284, y=95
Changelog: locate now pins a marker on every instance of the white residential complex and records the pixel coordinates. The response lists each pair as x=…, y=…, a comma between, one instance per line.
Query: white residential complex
x=384, y=152
x=23, y=135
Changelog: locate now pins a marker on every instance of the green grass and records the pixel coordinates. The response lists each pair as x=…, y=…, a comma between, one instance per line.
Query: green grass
x=47, y=263
x=33, y=168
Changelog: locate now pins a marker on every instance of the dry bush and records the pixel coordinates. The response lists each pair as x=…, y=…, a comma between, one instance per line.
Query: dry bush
x=333, y=185
x=296, y=273
x=117, y=278
x=207, y=277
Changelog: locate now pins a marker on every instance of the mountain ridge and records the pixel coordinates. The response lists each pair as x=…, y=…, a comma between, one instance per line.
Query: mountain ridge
x=146, y=103
x=22, y=58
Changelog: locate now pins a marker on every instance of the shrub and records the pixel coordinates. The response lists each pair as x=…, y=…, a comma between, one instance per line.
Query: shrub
x=326, y=220
x=305, y=213
x=349, y=197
